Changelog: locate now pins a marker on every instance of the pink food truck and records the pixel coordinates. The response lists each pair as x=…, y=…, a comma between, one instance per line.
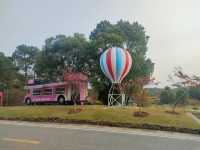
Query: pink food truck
x=72, y=89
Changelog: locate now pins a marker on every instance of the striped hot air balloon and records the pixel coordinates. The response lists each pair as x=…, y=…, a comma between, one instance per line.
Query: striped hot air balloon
x=115, y=63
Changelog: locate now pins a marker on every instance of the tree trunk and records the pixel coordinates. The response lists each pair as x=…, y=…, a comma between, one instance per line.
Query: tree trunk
x=174, y=107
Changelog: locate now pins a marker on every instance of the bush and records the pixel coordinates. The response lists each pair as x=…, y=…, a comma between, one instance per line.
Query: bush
x=16, y=96
x=181, y=97
x=167, y=96
x=194, y=92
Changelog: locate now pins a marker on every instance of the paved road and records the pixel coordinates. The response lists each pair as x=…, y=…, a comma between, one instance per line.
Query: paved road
x=34, y=136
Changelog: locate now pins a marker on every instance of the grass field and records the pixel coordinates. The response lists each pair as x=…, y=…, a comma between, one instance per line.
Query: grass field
x=157, y=115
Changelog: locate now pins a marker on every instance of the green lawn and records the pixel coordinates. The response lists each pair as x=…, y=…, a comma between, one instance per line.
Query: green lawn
x=158, y=115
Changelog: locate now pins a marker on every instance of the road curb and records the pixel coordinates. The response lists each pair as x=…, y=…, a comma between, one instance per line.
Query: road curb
x=109, y=124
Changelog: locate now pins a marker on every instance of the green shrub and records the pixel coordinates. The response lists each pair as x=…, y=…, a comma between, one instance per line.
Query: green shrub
x=167, y=96
x=194, y=92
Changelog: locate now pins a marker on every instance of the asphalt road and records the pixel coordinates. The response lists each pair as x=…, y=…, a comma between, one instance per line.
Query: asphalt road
x=42, y=136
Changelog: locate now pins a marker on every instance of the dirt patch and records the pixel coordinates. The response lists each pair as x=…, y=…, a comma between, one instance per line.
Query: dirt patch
x=140, y=114
x=172, y=112
x=74, y=111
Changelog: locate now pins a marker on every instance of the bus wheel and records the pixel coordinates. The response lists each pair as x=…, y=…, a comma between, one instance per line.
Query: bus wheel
x=28, y=101
x=61, y=100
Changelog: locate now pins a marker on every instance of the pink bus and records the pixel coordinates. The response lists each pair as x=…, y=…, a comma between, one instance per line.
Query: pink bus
x=60, y=92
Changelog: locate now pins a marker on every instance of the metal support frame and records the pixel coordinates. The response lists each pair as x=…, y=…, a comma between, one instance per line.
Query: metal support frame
x=116, y=95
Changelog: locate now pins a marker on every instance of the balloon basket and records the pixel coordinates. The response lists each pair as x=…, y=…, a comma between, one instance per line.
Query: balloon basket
x=116, y=97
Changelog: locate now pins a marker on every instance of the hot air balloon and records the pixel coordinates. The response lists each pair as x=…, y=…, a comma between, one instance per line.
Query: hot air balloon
x=115, y=63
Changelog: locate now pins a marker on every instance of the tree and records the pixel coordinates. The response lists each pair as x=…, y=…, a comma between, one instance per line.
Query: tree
x=138, y=93
x=10, y=79
x=182, y=79
x=8, y=71
x=154, y=92
x=167, y=96
x=194, y=92
x=122, y=34
x=24, y=58
x=134, y=36
x=182, y=82
x=135, y=89
x=181, y=97
x=64, y=53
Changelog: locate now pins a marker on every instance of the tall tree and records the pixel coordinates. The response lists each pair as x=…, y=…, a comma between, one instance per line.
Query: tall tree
x=11, y=81
x=8, y=72
x=59, y=53
x=122, y=34
x=24, y=58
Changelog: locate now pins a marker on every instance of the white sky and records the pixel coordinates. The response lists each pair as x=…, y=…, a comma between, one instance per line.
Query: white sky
x=173, y=26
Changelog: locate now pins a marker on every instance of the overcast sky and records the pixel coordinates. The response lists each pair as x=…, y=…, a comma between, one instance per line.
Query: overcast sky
x=173, y=26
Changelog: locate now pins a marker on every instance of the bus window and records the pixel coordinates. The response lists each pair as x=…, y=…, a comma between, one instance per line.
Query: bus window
x=48, y=91
x=36, y=92
x=60, y=90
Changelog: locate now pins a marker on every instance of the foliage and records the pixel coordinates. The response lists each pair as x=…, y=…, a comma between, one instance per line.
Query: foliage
x=135, y=90
x=167, y=96
x=9, y=76
x=60, y=53
x=15, y=96
x=182, y=79
x=124, y=34
x=181, y=97
x=24, y=58
x=174, y=96
x=194, y=92
x=10, y=80
x=141, y=97
x=155, y=92
x=184, y=82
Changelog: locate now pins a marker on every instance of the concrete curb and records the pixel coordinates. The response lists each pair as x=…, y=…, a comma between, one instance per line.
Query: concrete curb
x=109, y=124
